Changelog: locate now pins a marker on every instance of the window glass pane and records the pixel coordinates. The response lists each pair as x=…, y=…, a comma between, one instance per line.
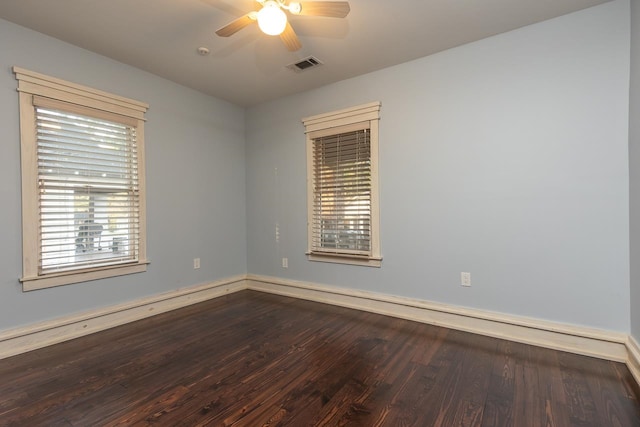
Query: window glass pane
x=88, y=191
x=342, y=193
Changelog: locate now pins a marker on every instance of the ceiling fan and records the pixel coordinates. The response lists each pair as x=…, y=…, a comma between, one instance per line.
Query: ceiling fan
x=272, y=19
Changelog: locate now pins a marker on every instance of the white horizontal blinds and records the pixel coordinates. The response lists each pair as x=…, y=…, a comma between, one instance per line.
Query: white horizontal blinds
x=88, y=190
x=341, y=220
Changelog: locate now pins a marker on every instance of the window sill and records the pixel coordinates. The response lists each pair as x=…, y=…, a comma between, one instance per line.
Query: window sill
x=345, y=259
x=69, y=277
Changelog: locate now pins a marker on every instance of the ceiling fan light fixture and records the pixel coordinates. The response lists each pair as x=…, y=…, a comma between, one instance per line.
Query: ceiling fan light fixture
x=295, y=7
x=271, y=19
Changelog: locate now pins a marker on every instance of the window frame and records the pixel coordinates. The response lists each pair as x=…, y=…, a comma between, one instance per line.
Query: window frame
x=32, y=85
x=360, y=117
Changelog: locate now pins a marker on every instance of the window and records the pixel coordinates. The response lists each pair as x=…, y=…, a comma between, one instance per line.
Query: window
x=342, y=186
x=83, y=205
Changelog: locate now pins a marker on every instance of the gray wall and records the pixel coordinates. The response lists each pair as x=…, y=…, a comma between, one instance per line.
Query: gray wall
x=195, y=181
x=634, y=162
x=507, y=158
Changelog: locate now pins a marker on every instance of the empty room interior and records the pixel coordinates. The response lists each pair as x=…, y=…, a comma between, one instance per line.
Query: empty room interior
x=385, y=214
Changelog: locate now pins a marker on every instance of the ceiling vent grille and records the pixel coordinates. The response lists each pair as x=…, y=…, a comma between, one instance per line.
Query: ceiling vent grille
x=305, y=64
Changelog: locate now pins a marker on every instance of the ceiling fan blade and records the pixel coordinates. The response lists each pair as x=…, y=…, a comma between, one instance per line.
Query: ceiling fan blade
x=330, y=9
x=290, y=39
x=237, y=25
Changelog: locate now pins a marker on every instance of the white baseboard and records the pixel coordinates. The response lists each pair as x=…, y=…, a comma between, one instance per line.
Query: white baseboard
x=31, y=337
x=591, y=342
x=607, y=345
x=633, y=361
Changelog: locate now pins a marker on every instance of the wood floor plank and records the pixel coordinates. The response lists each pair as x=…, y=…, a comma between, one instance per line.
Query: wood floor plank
x=500, y=391
x=254, y=359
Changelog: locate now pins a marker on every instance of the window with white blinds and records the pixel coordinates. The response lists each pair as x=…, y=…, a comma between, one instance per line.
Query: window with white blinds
x=343, y=213
x=88, y=190
x=83, y=199
x=342, y=193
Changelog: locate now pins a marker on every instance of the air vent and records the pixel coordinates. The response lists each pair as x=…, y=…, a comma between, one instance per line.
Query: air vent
x=305, y=64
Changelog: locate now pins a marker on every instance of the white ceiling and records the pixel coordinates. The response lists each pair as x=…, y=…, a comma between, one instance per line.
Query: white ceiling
x=162, y=37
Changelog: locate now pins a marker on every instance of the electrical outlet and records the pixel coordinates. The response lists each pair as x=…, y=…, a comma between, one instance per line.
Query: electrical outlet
x=285, y=262
x=196, y=263
x=465, y=279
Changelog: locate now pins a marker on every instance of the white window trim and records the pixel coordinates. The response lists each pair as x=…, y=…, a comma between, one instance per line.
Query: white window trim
x=31, y=84
x=340, y=121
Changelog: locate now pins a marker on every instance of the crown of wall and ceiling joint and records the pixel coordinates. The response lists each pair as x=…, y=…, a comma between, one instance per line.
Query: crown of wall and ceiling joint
x=305, y=64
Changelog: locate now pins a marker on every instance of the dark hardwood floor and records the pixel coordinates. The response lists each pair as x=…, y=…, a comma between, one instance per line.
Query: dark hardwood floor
x=254, y=359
